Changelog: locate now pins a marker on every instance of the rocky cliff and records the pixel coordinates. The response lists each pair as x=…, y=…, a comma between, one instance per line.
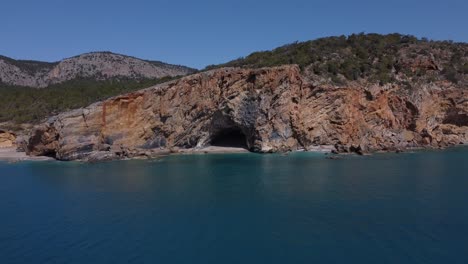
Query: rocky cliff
x=272, y=109
x=96, y=65
x=7, y=139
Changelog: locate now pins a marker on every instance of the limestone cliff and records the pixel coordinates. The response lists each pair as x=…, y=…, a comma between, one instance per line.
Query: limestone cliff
x=7, y=139
x=276, y=109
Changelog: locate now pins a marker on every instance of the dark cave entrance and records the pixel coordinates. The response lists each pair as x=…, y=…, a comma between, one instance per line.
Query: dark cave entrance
x=230, y=138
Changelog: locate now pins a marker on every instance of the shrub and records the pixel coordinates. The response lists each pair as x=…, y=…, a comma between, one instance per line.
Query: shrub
x=465, y=68
x=450, y=74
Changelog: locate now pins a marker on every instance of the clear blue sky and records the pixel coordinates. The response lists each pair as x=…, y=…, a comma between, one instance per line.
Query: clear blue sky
x=198, y=33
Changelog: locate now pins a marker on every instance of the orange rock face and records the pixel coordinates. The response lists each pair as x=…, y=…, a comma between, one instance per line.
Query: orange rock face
x=7, y=139
x=274, y=108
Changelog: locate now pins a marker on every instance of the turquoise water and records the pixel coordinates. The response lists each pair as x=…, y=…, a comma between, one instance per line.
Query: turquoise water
x=238, y=208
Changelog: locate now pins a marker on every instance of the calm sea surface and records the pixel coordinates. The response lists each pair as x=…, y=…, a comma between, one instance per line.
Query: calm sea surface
x=238, y=208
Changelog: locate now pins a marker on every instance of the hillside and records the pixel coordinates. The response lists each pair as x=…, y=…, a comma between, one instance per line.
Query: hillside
x=393, y=58
x=97, y=65
x=32, y=90
x=26, y=104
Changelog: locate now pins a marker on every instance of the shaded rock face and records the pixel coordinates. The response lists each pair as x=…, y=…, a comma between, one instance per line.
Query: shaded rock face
x=7, y=139
x=270, y=109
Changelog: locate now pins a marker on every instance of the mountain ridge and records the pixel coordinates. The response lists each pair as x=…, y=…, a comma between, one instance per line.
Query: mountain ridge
x=101, y=65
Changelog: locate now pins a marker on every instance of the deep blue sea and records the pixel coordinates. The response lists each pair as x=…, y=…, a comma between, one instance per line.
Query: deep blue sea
x=238, y=208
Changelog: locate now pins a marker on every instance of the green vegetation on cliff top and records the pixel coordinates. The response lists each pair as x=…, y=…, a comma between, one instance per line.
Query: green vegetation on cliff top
x=377, y=58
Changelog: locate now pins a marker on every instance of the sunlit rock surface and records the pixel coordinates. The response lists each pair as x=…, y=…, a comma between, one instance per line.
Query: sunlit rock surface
x=273, y=109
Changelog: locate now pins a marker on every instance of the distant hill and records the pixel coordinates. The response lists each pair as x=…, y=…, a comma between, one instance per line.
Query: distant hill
x=32, y=90
x=96, y=65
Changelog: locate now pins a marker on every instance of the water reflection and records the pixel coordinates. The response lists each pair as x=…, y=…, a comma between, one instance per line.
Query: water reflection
x=299, y=208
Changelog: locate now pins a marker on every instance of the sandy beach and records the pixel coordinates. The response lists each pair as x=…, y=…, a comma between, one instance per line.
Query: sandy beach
x=212, y=150
x=11, y=155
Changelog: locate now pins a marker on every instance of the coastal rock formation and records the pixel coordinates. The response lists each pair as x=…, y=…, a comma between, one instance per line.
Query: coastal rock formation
x=271, y=109
x=7, y=139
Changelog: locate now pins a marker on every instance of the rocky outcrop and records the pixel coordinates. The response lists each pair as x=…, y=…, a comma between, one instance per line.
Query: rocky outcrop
x=275, y=109
x=97, y=65
x=7, y=139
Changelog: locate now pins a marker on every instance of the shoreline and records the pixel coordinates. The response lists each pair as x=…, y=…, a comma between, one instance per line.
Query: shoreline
x=10, y=155
x=212, y=150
